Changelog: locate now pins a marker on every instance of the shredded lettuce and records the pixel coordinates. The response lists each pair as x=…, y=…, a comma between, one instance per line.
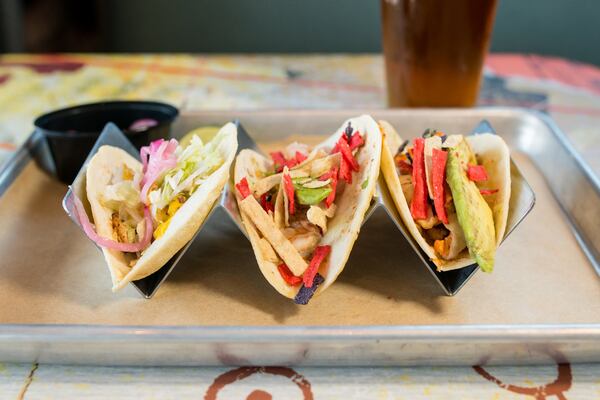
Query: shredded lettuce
x=195, y=163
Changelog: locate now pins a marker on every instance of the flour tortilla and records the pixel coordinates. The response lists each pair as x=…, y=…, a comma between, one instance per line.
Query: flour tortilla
x=184, y=224
x=351, y=204
x=491, y=152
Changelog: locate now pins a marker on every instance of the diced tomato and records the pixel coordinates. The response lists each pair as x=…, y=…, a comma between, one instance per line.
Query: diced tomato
x=486, y=192
x=300, y=157
x=243, y=188
x=477, y=173
x=318, y=256
x=418, y=206
x=279, y=160
x=288, y=186
x=288, y=276
x=438, y=172
x=266, y=203
x=356, y=141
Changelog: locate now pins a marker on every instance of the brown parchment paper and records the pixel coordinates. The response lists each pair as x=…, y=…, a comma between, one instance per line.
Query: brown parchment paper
x=51, y=274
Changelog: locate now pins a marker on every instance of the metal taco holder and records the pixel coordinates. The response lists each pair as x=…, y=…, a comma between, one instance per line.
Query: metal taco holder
x=521, y=202
x=225, y=206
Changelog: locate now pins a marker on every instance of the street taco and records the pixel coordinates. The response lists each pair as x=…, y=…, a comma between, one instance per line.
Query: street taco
x=452, y=193
x=145, y=212
x=302, y=210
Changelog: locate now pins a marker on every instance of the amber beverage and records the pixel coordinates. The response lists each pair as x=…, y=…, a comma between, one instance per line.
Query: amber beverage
x=434, y=50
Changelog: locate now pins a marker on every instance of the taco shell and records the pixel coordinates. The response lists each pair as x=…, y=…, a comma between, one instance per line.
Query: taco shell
x=351, y=204
x=491, y=152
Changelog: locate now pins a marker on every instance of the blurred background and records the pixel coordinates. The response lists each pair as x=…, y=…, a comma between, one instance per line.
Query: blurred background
x=565, y=28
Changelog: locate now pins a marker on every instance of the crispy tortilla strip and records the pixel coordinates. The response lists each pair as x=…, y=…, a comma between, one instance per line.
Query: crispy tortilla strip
x=452, y=141
x=267, y=228
x=267, y=250
x=265, y=184
x=286, y=199
x=315, y=184
x=434, y=142
x=280, y=207
x=317, y=216
x=322, y=165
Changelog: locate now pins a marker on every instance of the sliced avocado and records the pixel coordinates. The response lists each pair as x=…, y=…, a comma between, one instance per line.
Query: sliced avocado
x=474, y=215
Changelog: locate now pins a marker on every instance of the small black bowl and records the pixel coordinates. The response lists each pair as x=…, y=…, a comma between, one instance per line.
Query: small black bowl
x=70, y=133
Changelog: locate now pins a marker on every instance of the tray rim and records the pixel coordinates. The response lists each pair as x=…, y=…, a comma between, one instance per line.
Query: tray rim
x=268, y=334
x=508, y=333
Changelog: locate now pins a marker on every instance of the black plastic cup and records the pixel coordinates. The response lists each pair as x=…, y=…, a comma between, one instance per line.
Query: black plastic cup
x=70, y=133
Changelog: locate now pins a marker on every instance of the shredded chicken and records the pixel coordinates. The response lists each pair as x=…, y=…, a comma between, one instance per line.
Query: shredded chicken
x=407, y=187
x=431, y=220
x=304, y=236
x=119, y=229
x=453, y=244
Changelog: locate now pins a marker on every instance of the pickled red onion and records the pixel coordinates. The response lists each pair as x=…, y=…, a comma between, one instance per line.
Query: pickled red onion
x=89, y=230
x=156, y=159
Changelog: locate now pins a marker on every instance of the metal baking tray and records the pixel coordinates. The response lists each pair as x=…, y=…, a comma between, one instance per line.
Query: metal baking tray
x=541, y=303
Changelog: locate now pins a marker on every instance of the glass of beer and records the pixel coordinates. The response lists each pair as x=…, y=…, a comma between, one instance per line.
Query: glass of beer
x=434, y=50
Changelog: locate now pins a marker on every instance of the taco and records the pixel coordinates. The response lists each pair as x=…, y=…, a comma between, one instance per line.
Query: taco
x=302, y=210
x=145, y=212
x=452, y=193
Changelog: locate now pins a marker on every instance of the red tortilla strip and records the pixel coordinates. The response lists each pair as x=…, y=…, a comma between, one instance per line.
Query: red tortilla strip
x=418, y=205
x=287, y=275
x=279, y=160
x=438, y=172
x=243, y=188
x=356, y=141
x=477, y=173
x=288, y=186
x=318, y=256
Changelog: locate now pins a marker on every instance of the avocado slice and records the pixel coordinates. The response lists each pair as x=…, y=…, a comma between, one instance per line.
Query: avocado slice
x=474, y=215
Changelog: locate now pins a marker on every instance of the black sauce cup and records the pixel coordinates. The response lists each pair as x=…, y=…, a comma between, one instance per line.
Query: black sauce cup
x=70, y=133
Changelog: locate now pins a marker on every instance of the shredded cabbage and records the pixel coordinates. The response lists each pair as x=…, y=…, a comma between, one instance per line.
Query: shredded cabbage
x=194, y=164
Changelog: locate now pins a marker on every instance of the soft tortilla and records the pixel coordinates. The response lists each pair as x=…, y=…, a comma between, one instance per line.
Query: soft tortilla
x=184, y=224
x=352, y=204
x=491, y=152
